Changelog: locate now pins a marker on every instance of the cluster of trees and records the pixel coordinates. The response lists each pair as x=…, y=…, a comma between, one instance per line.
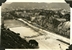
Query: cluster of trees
x=7, y=15
x=35, y=12
x=10, y=39
x=50, y=22
x=47, y=19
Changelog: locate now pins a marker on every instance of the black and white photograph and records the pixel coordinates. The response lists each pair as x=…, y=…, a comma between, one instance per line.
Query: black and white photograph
x=35, y=25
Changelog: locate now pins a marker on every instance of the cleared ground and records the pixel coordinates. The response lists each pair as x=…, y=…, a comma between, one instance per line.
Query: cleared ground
x=45, y=41
x=13, y=23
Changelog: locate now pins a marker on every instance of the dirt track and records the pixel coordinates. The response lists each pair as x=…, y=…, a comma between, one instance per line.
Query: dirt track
x=45, y=41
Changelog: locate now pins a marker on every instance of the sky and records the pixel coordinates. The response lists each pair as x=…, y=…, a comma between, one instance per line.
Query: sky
x=49, y=1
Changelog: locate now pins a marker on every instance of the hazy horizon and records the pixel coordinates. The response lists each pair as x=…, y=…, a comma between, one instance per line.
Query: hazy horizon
x=36, y=5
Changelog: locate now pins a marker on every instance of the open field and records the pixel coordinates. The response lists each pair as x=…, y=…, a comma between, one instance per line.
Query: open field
x=48, y=41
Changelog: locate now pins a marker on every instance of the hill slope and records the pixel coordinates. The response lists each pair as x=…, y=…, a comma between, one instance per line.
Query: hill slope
x=30, y=5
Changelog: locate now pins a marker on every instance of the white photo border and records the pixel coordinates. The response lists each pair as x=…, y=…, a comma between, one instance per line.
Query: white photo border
x=49, y=1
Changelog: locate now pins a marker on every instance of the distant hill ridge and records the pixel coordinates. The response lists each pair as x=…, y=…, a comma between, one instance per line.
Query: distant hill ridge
x=30, y=5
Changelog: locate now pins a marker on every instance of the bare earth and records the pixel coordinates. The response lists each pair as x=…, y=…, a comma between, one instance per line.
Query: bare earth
x=48, y=41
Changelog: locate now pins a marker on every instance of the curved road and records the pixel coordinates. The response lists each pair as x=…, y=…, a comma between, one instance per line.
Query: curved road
x=47, y=41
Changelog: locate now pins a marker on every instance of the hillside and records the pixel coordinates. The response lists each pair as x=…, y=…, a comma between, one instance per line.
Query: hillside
x=11, y=39
x=29, y=5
